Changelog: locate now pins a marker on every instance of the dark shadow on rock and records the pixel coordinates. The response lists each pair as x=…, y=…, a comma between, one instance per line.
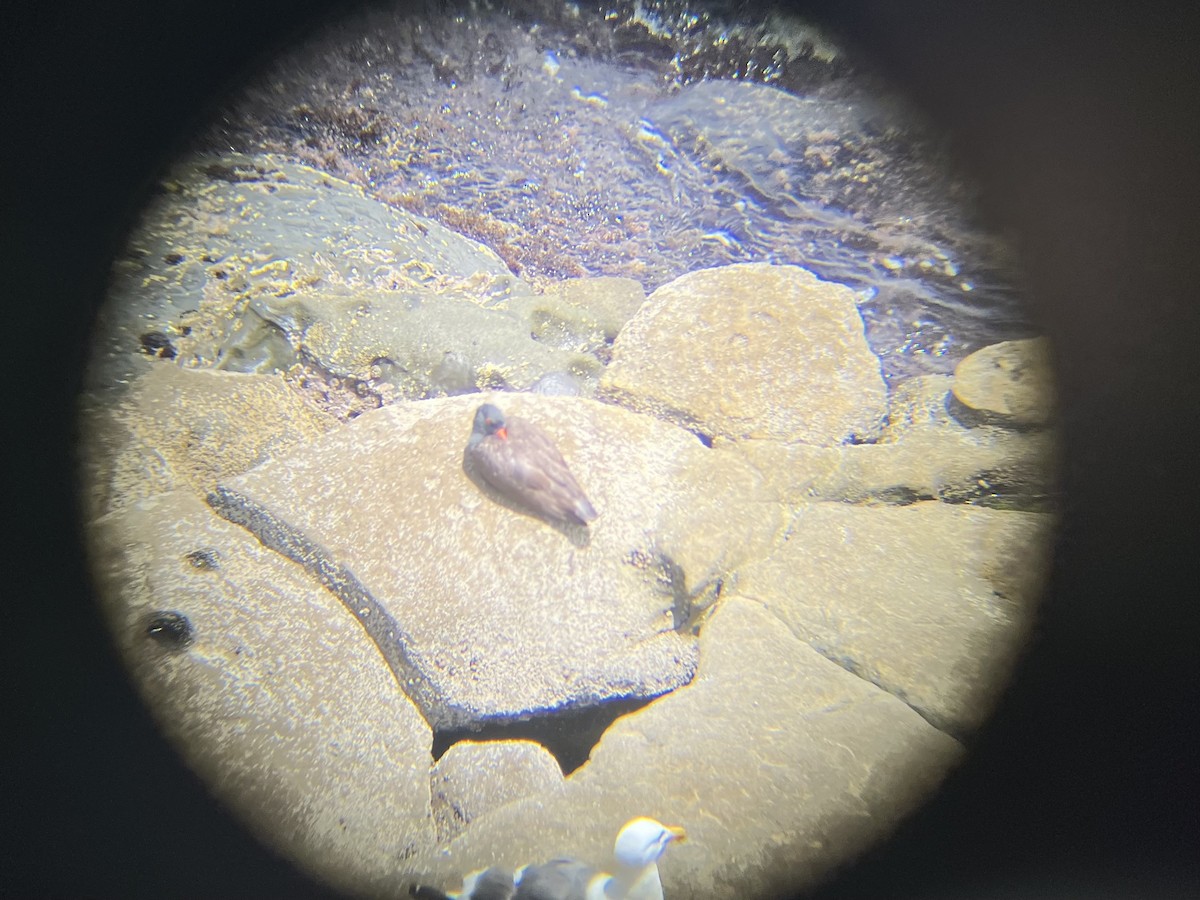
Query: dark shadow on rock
x=568, y=735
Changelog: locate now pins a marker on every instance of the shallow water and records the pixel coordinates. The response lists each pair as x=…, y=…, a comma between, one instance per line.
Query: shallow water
x=647, y=144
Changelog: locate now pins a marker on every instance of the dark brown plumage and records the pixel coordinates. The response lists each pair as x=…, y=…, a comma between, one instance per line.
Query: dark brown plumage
x=520, y=461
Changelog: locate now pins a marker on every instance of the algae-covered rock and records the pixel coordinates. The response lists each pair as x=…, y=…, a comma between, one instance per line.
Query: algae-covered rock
x=186, y=429
x=421, y=343
x=226, y=229
x=751, y=351
x=581, y=314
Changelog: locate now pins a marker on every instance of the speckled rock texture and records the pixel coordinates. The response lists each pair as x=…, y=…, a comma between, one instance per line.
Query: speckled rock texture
x=186, y=429
x=918, y=599
x=751, y=351
x=774, y=784
x=269, y=689
x=476, y=777
x=1009, y=383
x=815, y=663
x=453, y=577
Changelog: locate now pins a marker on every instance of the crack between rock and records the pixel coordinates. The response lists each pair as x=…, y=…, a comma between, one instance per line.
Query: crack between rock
x=388, y=636
x=849, y=666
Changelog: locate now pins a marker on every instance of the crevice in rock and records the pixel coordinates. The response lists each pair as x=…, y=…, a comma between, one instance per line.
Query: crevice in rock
x=856, y=670
x=342, y=583
x=568, y=735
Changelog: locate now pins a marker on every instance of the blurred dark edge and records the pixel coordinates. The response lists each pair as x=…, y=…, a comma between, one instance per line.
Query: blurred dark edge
x=1080, y=119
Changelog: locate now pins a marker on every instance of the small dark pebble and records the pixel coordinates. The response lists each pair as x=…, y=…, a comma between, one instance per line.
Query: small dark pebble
x=155, y=343
x=171, y=630
x=207, y=558
x=173, y=259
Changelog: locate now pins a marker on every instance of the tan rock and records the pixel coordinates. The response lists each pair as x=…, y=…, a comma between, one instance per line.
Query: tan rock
x=779, y=764
x=269, y=689
x=984, y=466
x=923, y=600
x=186, y=429
x=917, y=403
x=474, y=778
x=751, y=351
x=449, y=578
x=1006, y=383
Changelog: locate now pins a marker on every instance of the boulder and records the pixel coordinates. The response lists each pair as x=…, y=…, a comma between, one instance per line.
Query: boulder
x=1008, y=384
x=751, y=351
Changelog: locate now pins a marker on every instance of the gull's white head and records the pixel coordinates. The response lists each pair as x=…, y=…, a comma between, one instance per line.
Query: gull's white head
x=642, y=841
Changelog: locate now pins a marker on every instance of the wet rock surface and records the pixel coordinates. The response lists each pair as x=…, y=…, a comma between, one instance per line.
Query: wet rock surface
x=677, y=140
x=231, y=228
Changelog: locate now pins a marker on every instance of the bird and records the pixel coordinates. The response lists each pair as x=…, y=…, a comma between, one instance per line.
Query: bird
x=518, y=459
x=639, y=845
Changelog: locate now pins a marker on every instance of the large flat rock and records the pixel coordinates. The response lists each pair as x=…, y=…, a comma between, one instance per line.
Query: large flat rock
x=779, y=764
x=485, y=612
x=932, y=602
x=751, y=351
x=269, y=689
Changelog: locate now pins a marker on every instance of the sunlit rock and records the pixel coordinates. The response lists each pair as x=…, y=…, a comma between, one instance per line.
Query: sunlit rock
x=186, y=429
x=1008, y=383
x=449, y=578
x=473, y=778
x=751, y=351
x=269, y=689
x=931, y=602
x=781, y=764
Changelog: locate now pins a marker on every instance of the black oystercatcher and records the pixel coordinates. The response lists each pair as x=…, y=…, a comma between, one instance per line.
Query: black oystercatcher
x=638, y=848
x=520, y=461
